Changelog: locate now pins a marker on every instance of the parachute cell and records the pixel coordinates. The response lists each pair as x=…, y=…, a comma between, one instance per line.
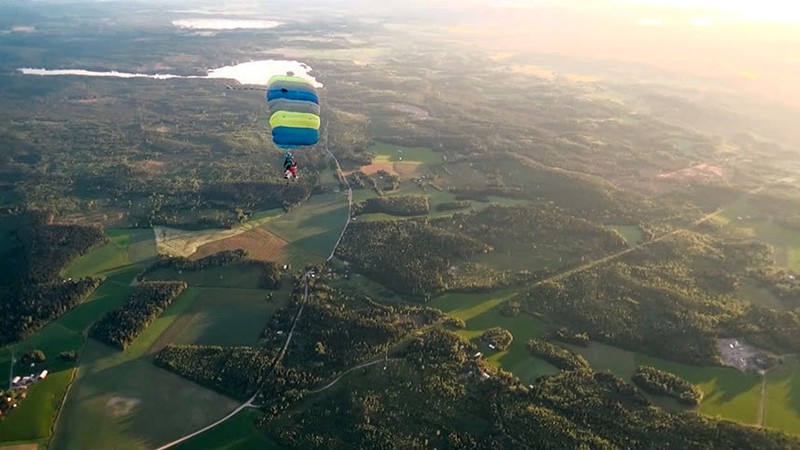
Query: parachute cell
x=294, y=111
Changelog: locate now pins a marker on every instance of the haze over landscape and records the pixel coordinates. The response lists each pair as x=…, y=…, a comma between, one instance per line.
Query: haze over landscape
x=524, y=224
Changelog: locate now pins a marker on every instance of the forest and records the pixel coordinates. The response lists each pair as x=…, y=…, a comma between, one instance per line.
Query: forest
x=411, y=256
x=671, y=299
x=453, y=206
x=402, y=205
x=500, y=338
x=658, y=382
x=271, y=279
x=434, y=397
x=25, y=311
x=32, y=293
x=564, y=335
x=346, y=329
x=148, y=300
x=234, y=371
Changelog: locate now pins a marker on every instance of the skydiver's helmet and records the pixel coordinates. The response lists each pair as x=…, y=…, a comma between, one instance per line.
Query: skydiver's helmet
x=288, y=155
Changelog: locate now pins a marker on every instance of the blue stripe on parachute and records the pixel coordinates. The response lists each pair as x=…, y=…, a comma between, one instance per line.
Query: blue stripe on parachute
x=274, y=94
x=291, y=137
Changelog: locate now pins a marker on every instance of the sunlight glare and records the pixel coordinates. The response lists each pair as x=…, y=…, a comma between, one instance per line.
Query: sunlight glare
x=750, y=10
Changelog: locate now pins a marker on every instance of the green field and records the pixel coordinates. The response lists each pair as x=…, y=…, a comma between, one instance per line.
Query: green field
x=395, y=153
x=480, y=312
x=110, y=295
x=225, y=317
x=435, y=197
x=144, y=343
x=125, y=248
x=34, y=417
x=118, y=398
x=785, y=242
x=234, y=276
x=750, y=291
x=368, y=287
x=729, y=394
x=783, y=396
x=632, y=233
x=35, y=414
x=238, y=433
x=122, y=401
x=311, y=228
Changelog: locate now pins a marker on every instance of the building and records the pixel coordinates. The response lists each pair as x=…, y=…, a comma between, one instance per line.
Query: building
x=43, y=375
x=15, y=380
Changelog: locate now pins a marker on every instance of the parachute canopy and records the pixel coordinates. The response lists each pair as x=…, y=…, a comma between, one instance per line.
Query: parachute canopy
x=294, y=111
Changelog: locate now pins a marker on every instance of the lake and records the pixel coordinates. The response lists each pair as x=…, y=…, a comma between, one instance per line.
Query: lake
x=252, y=72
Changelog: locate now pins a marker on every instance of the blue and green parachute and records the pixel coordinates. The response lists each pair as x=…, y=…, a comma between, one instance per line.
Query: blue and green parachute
x=294, y=111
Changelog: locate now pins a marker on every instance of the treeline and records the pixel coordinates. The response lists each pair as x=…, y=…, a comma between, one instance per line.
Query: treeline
x=219, y=259
x=562, y=358
x=384, y=181
x=34, y=252
x=48, y=248
x=409, y=256
x=234, y=371
x=665, y=300
x=436, y=396
x=218, y=204
x=270, y=280
x=658, y=382
x=498, y=337
x=454, y=205
x=360, y=180
x=402, y=205
x=25, y=311
x=148, y=300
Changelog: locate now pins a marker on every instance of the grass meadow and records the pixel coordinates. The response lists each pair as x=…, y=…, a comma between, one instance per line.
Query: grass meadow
x=729, y=393
x=481, y=312
x=312, y=228
x=233, y=276
x=238, y=433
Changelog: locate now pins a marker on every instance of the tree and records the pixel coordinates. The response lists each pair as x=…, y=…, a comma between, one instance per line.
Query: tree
x=35, y=356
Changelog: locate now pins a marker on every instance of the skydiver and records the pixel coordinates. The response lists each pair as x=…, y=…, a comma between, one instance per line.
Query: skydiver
x=289, y=166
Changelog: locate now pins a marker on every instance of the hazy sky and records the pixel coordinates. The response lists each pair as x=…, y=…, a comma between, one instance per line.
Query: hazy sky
x=751, y=46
